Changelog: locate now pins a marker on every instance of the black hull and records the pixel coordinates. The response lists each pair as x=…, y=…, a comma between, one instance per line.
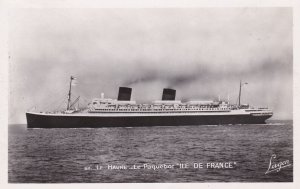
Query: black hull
x=53, y=121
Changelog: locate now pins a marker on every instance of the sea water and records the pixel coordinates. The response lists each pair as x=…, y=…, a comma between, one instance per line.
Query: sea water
x=221, y=153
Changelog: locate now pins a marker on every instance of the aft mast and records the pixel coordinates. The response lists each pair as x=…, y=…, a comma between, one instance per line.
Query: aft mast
x=69, y=94
x=240, y=91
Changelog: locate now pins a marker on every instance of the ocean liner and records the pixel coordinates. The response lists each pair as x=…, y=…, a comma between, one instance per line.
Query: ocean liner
x=124, y=112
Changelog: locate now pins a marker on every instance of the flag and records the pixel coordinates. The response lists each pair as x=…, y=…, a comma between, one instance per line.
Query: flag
x=74, y=82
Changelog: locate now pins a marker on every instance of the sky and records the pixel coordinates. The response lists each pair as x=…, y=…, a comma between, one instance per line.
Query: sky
x=203, y=53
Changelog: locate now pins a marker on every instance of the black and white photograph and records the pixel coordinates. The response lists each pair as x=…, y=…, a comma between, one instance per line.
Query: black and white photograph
x=150, y=95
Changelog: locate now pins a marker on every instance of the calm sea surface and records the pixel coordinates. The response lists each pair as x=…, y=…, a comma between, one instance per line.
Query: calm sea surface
x=151, y=154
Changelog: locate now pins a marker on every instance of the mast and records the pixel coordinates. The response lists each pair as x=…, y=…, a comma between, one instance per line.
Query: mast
x=240, y=91
x=69, y=94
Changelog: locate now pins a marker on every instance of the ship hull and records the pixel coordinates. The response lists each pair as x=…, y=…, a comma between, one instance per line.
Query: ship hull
x=73, y=121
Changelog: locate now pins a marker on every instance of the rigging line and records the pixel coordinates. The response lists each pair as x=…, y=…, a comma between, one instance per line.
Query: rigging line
x=60, y=95
x=85, y=99
x=84, y=102
x=63, y=102
x=82, y=98
x=53, y=109
x=52, y=102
